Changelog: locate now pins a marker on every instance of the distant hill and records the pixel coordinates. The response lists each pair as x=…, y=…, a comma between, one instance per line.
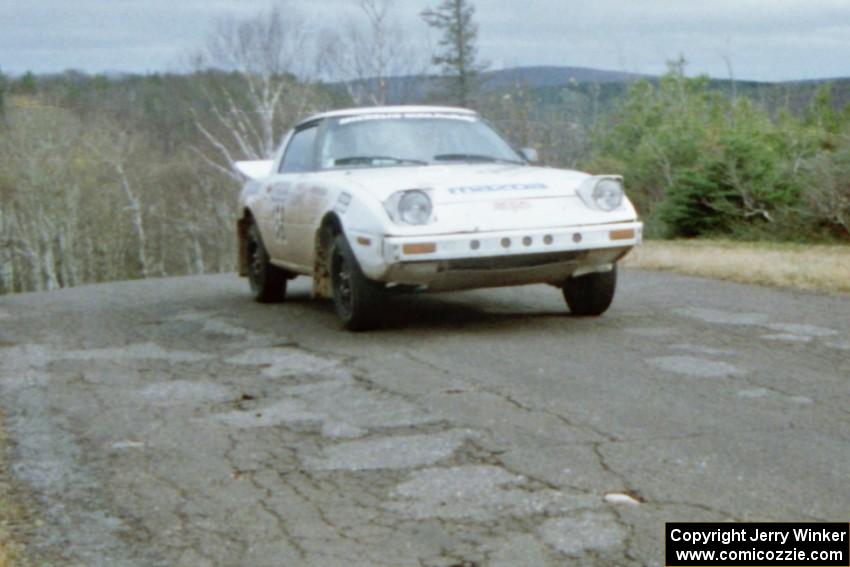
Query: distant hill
x=537, y=77
x=584, y=92
x=581, y=93
x=416, y=88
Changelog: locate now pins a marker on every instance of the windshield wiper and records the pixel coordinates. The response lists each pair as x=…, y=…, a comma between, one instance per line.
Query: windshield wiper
x=368, y=160
x=474, y=158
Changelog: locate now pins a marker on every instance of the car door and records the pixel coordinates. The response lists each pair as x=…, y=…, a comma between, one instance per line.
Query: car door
x=285, y=198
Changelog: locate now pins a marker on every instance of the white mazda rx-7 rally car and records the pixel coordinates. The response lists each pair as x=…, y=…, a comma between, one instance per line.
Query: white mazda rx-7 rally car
x=373, y=200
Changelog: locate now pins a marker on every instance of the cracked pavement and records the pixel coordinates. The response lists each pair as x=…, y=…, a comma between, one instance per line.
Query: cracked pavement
x=175, y=422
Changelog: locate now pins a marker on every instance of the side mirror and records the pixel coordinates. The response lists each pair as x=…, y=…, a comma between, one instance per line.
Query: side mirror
x=530, y=155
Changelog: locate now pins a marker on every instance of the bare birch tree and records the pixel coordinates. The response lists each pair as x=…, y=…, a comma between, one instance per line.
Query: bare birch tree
x=117, y=150
x=256, y=68
x=40, y=199
x=372, y=49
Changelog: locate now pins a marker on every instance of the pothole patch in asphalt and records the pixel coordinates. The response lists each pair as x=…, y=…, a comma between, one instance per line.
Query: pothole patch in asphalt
x=337, y=404
x=515, y=549
x=343, y=400
x=723, y=317
x=693, y=366
x=342, y=430
x=24, y=357
x=137, y=351
x=574, y=535
x=280, y=362
x=753, y=393
x=128, y=444
x=178, y=392
x=651, y=331
x=700, y=349
x=787, y=337
x=282, y=412
x=398, y=452
x=802, y=330
x=211, y=325
x=477, y=492
x=193, y=316
x=214, y=327
x=764, y=392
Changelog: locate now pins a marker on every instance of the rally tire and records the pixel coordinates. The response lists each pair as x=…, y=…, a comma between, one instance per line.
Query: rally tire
x=268, y=282
x=357, y=299
x=591, y=295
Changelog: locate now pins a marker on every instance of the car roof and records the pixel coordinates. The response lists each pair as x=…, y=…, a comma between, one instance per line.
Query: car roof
x=388, y=110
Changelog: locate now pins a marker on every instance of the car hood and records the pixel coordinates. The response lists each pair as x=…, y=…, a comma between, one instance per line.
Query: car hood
x=464, y=182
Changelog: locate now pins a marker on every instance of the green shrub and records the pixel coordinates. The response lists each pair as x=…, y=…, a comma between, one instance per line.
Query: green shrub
x=700, y=163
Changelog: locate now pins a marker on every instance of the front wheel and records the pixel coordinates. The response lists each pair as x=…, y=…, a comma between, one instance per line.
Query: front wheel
x=268, y=282
x=356, y=297
x=592, y=294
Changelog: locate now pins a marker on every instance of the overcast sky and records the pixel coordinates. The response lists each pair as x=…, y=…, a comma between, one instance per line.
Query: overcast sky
x=763, y=39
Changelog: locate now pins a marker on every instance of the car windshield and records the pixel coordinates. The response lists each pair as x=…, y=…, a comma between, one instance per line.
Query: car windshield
x=374, y=140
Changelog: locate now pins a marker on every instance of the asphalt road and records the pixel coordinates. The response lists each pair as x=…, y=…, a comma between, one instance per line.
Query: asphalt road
x=175, y=422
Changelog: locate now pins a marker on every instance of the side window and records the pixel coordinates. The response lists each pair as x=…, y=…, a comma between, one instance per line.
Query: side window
x=299, y=152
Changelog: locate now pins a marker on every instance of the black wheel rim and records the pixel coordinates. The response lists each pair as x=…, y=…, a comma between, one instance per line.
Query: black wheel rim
x=343, y=292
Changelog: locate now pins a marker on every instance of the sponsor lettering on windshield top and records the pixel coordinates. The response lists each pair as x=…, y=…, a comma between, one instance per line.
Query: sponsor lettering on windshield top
x=407, y=116
x=466, y=190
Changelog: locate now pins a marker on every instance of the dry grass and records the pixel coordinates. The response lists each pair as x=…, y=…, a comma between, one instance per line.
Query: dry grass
x=5, y=552
x=11, y=513
x=5, y=556
x=820, y=267
x=6, y=559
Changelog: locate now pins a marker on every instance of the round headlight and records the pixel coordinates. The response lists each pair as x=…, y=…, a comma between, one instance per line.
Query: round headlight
x=608, y=194
x=414, y=207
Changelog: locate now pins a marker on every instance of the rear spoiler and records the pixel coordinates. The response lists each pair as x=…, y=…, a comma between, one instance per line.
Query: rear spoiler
x=255, y=169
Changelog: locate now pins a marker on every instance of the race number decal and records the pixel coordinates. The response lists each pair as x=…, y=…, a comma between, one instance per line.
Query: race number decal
x=277, y=222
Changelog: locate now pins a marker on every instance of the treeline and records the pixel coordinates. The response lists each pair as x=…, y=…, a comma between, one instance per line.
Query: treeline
x=89, y=196
x=700, y=162
x=112, y=178
x=108, y=179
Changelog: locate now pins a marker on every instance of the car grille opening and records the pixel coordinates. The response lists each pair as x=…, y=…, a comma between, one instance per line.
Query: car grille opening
x=511, y=262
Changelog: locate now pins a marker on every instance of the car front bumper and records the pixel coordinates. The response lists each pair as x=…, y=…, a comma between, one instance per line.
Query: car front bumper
x=498, y=258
